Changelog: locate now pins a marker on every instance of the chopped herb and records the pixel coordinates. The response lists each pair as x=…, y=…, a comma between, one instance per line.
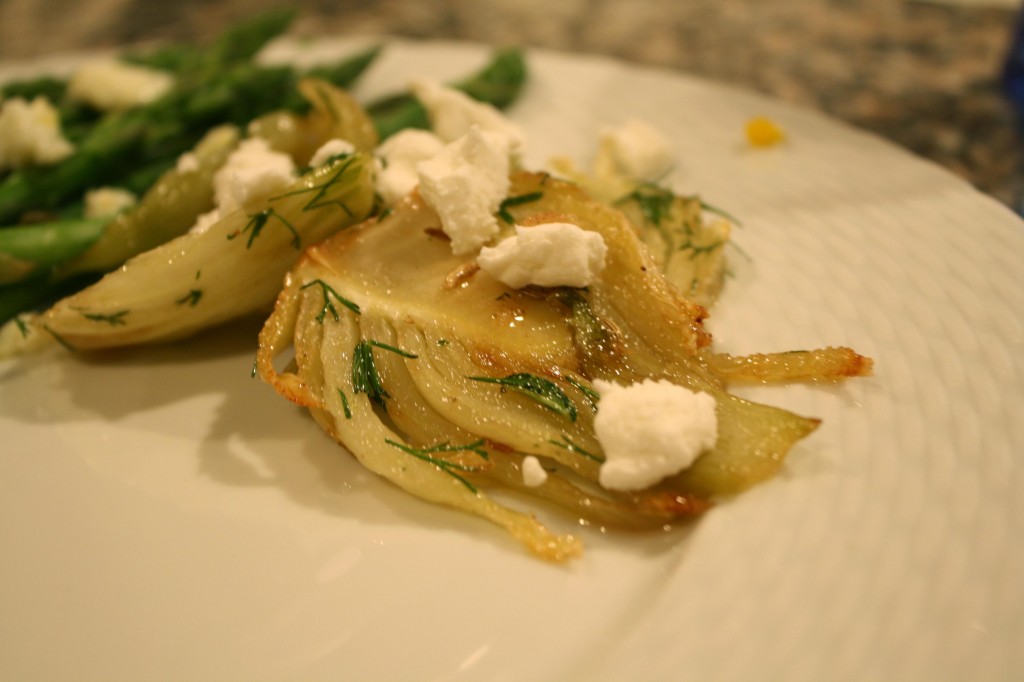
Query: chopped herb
x=365, y=378
x=399, y=351
x=192, y=297
x=450, y=468
x=539, y=389
x=330, y=160
x=509, y=202
x=590, y=394
x=364, y=375
x=698, y=250
x=252, y=372
x=113, y=319
x=655, y=202
x=717, y=211
x=60, y=339
x=22, y=327
x=442, y=342
x=344, y=404
x=258, y=221
x=198, y=272
x=319, y=191
x=572, y=447
x=328, y=307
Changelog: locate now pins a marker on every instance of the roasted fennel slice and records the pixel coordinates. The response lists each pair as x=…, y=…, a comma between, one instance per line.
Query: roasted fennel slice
x=234, y=268
x=687, y=237
x=442, y=379
x=172, y=288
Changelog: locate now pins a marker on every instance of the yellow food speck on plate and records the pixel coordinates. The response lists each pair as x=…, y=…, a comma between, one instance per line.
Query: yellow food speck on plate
x=764, y=132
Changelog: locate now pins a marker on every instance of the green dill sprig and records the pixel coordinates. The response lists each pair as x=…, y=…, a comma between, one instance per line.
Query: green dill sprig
x=698, y=250
x=319, y=191
x=450, y=468
x=393, y=349
x=539, y=389
x=590, y=394
x=257, y=221
x=509, y=202
x=719, y=212
x=60, y=339
x=655, y=202
x=365, y=378
x=344, y=404
x=191, y=298
x=333, y=158
x=567, y=444
x=113, y=319
x=328, y=306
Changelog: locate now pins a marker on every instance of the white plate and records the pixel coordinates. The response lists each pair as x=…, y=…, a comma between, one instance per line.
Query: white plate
x=165, y=517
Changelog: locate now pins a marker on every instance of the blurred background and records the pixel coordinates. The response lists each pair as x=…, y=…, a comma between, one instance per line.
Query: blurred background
x=926, y=74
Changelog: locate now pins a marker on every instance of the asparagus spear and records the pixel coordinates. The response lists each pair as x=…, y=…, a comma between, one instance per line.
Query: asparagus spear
x=217, y=84
x=161, y=130
x=498, y=83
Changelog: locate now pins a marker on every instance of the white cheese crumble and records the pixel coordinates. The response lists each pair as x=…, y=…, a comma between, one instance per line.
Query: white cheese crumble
x=107, y=201
x=533, y=473
x=333, y=147
x=111, y=84
x=638, y=149
x=452, y=113
x=465, y=184
x=252, y=172
x=30, y=133
x=651, y=430
x=547, y=255
x=399, y=155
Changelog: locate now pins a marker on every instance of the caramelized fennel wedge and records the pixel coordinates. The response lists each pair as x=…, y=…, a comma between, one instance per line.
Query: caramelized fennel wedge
x=232, y=269
x=325, y=382
x=175, y=287
x=405, y=352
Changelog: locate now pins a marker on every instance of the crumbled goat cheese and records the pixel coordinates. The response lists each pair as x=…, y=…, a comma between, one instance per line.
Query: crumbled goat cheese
x=333, y=147
x=651, y=430
x=399, y=155
x=547, y=255
x=640, y=150
x=111, y=84
x=533, y=473
x=204, y=221
x=187, y=163
x=452, y=113
x=251, y=173
x=107, y=201
x=465, y=184
x=30, y=133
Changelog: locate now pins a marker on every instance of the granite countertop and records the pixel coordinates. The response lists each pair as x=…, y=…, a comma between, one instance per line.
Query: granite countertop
x=922, y=74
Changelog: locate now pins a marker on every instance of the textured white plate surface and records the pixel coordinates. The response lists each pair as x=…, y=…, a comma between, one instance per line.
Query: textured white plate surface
x=165, y=517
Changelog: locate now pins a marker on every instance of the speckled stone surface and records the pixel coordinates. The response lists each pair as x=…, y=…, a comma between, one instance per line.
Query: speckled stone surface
x=924, y=75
